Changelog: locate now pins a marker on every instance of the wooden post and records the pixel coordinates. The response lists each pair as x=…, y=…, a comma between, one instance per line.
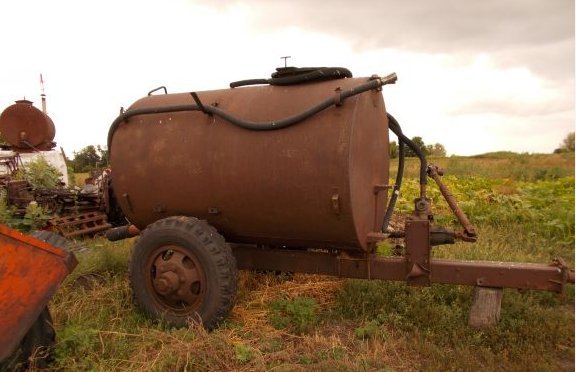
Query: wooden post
x=485, y=310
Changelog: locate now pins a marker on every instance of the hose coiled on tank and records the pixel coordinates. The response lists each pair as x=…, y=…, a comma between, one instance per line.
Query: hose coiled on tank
x=298, y=75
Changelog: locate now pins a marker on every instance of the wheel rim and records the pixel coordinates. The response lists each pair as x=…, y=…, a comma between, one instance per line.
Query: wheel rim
x=176, y=279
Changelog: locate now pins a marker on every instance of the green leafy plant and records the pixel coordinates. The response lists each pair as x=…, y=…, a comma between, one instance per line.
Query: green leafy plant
x=5, y=211
x=243, y=353
x=370, y=330
x=39, y=174
x=298, y=314
x=35, y=217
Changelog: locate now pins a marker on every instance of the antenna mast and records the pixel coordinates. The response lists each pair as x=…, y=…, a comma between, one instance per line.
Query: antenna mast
x=43, y=95
x=285, y=58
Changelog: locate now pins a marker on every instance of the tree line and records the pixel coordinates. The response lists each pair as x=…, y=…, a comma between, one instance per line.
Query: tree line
x=567, y=144
x=436, y=149
x=90, y=157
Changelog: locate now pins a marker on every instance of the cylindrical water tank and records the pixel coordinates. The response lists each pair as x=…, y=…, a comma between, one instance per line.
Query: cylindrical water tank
x=319, y=183
x=24, y=126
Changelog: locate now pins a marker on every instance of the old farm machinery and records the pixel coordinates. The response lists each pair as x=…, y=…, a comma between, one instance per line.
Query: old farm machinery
x=288, y=173
x=28, y=134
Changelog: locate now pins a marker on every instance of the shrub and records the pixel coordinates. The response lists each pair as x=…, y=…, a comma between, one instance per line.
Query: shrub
x=39, y=174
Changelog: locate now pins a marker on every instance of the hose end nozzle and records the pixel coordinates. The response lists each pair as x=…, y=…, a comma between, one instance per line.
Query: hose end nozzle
x=389, y=79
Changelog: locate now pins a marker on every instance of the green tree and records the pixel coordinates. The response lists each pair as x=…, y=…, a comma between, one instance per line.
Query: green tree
x=89, y=157
x=393, y=150
x=419, y=142
x=103, y=155
x=436, y=149
x=567, y=144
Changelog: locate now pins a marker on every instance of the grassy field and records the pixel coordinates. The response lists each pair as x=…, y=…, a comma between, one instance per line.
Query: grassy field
x=523, y=206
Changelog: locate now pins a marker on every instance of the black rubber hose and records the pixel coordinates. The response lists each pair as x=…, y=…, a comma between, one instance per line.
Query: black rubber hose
x=397, y=184
x=292, y=76
x=395, y=127
x=316, y=74
x=250, y=125
x=243, y=83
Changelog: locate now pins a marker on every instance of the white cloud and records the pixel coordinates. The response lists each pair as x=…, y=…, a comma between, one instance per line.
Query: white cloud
x=456, y=76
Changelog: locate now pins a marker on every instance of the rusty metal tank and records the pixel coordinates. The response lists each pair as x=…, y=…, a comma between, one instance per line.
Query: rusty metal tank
x=319, y=183
x=24, y=126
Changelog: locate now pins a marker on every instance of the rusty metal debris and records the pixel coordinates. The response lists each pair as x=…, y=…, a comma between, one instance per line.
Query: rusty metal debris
x=76, y=212
x=29, y=133
x=31, y=269
x=83, y=224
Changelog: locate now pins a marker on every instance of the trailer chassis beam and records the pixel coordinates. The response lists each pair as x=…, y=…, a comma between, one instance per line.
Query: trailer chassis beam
x=473, y=273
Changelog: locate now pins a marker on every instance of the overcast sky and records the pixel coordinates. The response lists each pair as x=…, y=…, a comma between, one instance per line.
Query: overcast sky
x=476, y=76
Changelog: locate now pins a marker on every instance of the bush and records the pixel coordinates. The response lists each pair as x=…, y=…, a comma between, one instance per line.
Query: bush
x=39, y=174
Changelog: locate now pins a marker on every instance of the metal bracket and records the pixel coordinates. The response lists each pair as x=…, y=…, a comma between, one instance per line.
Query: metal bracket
x=335, y=200
x=157, y=89
x=199, y=103
x=338, y=97
x=417, y=251
x=378, y=188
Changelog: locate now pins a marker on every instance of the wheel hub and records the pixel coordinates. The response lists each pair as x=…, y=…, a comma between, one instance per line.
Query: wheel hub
x=167, y=283
x=176, y=278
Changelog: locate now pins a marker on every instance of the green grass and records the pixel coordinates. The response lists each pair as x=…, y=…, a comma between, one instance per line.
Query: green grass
x=518, y=220
x=307, y=322
x=433, y=317
x=501, y=165
x=297, y=314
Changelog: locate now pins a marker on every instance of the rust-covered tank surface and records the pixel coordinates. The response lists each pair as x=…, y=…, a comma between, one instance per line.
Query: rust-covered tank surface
x=26, y=127
x=318, y=183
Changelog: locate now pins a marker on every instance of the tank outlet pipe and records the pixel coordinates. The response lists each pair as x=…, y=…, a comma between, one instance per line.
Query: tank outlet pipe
x=373, y=83
x=122, y=232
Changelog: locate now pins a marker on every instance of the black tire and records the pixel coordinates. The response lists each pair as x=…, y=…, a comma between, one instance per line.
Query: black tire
x=183, y=271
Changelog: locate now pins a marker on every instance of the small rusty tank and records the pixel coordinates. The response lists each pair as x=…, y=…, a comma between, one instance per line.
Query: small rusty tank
x=25, y=127
x=317, y=183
